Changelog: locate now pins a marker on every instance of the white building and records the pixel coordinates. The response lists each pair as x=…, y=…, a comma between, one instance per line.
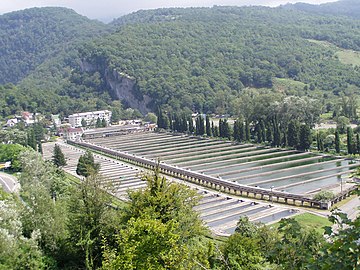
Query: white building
x=89, y=117
x=73, y=134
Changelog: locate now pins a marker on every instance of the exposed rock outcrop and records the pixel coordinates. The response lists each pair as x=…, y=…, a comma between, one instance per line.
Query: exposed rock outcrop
x=122, y=87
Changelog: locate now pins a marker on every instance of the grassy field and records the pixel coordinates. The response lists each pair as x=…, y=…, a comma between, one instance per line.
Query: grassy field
x=310, y=221
x=287, y=85
x=349, y=57
x=321, y=42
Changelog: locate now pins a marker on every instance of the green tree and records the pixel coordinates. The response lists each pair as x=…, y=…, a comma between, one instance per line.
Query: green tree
x=58, y=156
x=86, y=221
x=103, y=123
x=39, y=181
x=324, y=196
x=39, y=148
x=160, y=228
x=147, y=243
x=31, y=140
x=98, y=123
x=191, y=125
x=343, y=249
x=297, y=246
x=200, y=128
x=38, y=132
x=12, y=152
x=83, y=123
x=17, y=251
x=151, y=117
x=86, y=165
x=341, y=123
x=208, y=126
x=304, y=137
x=242, y=252
x=349, y=140
x=337, y=141
x=13, y=136
x=293, y=134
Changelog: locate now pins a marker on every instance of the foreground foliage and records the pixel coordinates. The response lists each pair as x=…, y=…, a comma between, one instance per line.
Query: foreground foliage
x=58, y=225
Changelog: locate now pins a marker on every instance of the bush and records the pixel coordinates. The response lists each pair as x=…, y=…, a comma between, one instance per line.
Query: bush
x=324, y=196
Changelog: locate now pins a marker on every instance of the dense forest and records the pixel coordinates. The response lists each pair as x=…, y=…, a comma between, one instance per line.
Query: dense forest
x=29, y=37
x=182, y=59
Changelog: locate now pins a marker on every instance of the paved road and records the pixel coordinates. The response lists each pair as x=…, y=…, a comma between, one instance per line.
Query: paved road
x=351, y=208
x=9, y=182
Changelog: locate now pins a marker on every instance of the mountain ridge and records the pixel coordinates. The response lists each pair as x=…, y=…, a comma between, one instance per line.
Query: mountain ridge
x=198, y=59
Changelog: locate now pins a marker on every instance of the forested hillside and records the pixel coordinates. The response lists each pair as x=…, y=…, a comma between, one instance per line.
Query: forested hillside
x=29, y=37
x=198, y=59
x=343, y=7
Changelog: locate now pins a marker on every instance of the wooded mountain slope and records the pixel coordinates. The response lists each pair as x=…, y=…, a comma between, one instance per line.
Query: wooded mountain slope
x=29, y=37
x=195, y=58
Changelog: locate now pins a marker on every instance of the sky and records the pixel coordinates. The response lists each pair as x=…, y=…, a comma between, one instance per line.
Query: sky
x=106, y=10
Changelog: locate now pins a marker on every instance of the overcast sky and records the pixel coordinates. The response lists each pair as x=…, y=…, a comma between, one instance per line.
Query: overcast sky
x=108, y=9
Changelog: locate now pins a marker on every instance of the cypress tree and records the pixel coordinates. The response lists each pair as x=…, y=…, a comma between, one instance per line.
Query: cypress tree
x=337, y=141
x=357, y=143
x=349, y=141
x=208, y=127
x=284, y=139
x=200, y=129
x=165, y=121
x=236, y=131
x=304, y=137
x=321, y=141
x=213, y=129
x=221, y=133
x=277, y=136
x=263, y=131
x=202, y=125
x=258, y=133
x=269, y=134
x=216, y=131
x=241, y=132
x=162, y=120
x=191, y=125
x=293, y=134
x=185, y=126
x=175, y=122
x=247, y=131
x=226, y=129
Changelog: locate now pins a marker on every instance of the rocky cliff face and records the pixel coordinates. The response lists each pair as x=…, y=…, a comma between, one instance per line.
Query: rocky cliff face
x=123, y=87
